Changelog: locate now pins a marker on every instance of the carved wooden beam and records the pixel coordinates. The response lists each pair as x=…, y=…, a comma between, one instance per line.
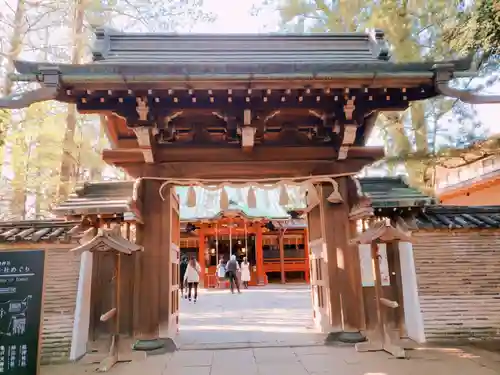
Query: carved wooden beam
x=144, y=138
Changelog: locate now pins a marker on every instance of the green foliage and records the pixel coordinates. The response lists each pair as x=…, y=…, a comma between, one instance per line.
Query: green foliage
x=477, y=28
x=4, y=119
x=40, y=140
x=416, y=31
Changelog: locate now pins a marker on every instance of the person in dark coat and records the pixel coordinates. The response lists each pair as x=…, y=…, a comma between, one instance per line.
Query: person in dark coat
x=232, y=268
x=182, y=271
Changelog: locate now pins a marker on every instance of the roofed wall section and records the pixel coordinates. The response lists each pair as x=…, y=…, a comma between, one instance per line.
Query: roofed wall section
x=117, y=198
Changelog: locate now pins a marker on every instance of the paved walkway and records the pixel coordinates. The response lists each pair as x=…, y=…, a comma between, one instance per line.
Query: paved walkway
x=269, y=331
x=312, y=360
x=273, y=315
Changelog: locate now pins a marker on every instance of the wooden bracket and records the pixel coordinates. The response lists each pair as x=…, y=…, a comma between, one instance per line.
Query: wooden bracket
x=142, y=108
x=349, y=135
x=247, y=131
x=144, y=138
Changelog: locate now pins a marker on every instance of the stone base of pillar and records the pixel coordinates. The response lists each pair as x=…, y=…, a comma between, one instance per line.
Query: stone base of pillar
x=344, y=337
x=156, y=346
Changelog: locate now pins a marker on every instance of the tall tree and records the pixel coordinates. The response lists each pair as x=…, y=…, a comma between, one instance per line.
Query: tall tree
x=137, y=15
x=67, y=172
x=476, y=28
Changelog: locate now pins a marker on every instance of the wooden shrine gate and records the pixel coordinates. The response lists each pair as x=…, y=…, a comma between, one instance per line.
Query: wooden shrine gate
x=252, y=110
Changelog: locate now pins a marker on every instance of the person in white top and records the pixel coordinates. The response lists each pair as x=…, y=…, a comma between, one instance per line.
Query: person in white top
x=221, y=271
x=245, y=272
x=192, y=277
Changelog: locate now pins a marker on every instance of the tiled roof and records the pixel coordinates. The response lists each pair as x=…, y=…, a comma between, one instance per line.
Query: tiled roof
x=110, y=197
x=230, y=55
x=118, y=47
x=454, y=217
x=393, y=192
x=39, y=231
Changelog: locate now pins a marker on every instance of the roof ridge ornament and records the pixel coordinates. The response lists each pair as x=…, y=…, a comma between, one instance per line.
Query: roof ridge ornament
x=381, y=48
x=48, y=77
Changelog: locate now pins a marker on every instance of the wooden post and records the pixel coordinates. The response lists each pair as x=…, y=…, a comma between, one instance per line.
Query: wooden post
x=259, y=255
x=346, y=304
x=329, y=222
x=281, y=240
x=201, y=254
x=306, y=256
x=382, y=339
x=378, y=291
x=349, y=272
x=148, y=285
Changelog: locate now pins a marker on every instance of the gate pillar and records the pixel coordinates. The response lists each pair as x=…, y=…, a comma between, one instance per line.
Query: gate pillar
x=155, y=300
x=335, y=269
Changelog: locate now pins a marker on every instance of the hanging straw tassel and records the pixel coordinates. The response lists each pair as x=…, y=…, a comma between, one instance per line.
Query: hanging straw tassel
x=252, y=198
x=284, y=199
x=224, y=199
x=335, y=196
x=191, y=197
x=312, y=197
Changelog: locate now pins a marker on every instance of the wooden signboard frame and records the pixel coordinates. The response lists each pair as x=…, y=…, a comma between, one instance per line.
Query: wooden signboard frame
x=37, y=265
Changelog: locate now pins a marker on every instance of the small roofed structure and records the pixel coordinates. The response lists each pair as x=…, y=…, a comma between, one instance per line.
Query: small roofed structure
x=381, y=232
x=110, y=240
x=107, y=240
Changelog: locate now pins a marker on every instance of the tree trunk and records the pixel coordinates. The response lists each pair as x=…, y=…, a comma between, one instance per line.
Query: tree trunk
x=16, y=45
x=67, y=171
x=17, y=203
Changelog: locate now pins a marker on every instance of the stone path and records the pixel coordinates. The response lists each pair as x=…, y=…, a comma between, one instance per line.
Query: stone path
x=269, y=331
x=257, y=317
x=315, y=360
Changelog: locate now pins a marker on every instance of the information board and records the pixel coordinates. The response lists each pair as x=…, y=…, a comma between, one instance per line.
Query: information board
x=21, y=288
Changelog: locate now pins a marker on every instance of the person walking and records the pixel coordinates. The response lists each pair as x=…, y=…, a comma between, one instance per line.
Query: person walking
x=245, y=272
x=192, y=278
x=182, y=272
x=232, y=268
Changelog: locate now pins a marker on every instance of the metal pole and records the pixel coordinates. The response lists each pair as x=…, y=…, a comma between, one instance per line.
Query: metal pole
x=216, y=244
x=246, y=241
x=230, y=240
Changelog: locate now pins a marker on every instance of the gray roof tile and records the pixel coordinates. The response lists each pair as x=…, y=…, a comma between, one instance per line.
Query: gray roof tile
x=456, y=217
x=58, y=231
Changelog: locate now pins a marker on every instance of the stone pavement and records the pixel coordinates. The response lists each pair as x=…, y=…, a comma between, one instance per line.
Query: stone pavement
x=269, y=331
x=309, y=360
x=274, y=315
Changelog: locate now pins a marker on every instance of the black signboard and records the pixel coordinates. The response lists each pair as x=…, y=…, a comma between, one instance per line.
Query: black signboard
x=21, y=287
